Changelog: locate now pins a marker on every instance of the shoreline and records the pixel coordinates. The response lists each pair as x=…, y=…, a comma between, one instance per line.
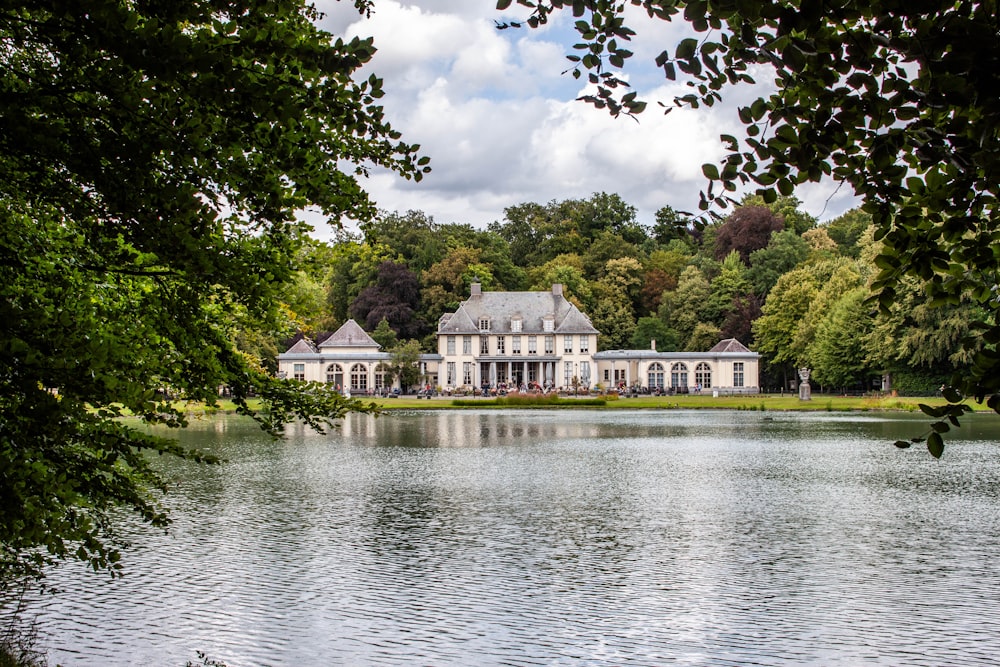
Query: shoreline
x=750, y=402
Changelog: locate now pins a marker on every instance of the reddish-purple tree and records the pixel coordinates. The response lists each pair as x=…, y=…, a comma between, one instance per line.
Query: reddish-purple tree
x=395, y=296
x=749, y=228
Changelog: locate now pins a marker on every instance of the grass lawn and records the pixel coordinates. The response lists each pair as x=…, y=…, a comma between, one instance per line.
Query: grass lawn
x=761, y=402
x=764, y=402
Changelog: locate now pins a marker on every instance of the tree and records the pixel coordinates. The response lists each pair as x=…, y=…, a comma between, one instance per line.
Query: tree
x=782, y=314
x=394, y=296
x=839, y=349
x=385, y=335
x=404, y=364
x=784, y=252
x=893, y=100
x=650, y=329
x=729, y=285
x=704, y=336
x=412, y=237
x=685, y=307
x=747, y=229
x=446, y=283
x=154, y=155
x=670, y=225
x=847, y=229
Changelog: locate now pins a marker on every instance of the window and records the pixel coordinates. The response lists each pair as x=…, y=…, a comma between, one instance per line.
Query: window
x=703, y=375
x=466, y=373
x=532, y=344
x=515, y=345
x=549, y=324
x=299, y=371
x=585, y=373
x=451, y=345
x=738, y=374
x=451, y=373
x=501, y=345
x=484, y=324
x=550, y=345
x=466, y=344
x=654, y=376
x=584, y=344
x=515, y=325
x=679, y=375
x=484, y=345
x=335, y=375
x=379, y=378
x=359, y=377
x=607, y=375
x=567, y=345
x=568, y=374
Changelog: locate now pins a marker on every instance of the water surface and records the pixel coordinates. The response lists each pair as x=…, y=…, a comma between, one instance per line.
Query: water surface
x=559, y=538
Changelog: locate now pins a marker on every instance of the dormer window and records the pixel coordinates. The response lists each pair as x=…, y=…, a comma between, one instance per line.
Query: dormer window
x=484, y=324
x=515, y=325
x=549, y=324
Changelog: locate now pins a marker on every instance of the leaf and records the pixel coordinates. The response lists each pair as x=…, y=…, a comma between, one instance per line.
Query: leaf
x=932, y=411
x=903, y=444
x=935, y=444
x=503, y=4
x=686, y=49
x=711, y=171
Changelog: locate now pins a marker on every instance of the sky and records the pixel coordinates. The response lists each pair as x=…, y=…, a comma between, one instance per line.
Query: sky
x=498, y=116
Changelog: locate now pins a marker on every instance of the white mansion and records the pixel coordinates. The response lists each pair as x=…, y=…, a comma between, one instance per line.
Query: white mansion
x=519, y=340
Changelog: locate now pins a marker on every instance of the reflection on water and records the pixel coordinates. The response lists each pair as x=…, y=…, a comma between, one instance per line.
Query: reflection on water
x=559, y=538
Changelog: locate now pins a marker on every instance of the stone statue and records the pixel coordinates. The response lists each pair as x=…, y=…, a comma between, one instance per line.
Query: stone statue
x=805, y=391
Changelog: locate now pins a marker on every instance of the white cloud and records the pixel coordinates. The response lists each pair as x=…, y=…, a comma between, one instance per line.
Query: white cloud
x=500, y=122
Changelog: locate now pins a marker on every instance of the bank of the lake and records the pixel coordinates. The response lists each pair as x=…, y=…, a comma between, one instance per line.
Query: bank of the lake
x=754, y=402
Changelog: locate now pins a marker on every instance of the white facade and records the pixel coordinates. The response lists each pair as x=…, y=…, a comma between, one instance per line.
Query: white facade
x=516, y=340
x=349, y=359
x=728, y=368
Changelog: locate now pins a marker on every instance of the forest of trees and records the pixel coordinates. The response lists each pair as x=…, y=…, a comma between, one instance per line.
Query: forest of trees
x=769, y=275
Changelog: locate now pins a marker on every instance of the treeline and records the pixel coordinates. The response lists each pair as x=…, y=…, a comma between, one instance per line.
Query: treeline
x=769, y=275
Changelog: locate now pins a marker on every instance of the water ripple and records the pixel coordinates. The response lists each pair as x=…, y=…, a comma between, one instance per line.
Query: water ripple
x=530, y=538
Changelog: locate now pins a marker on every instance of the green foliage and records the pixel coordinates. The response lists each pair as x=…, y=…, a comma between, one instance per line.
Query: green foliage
x=154, y=157
x=838, y=351
x=918, y=381
x=649, y=329
x=786, y=306
x=404, y=363
x=684, y=309
x=704, y=336
x=384, y=335
x=784, y=252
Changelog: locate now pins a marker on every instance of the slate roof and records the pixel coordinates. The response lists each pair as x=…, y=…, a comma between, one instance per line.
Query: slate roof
x=350, y=334
x=532, y=308
x=729, y=345
x=301, y=346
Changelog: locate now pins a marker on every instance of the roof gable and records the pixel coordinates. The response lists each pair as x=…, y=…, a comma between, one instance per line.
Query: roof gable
x=301, y=346
x=729, y=345
x=349, y=335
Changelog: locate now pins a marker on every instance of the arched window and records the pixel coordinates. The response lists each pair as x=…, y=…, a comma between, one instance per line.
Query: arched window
x=703, y=375
x=359, y=377
x=334, y=374
x=679, y=375
x=655, y=375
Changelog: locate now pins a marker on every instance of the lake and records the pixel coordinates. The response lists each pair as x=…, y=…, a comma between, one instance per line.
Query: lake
x=571, y=537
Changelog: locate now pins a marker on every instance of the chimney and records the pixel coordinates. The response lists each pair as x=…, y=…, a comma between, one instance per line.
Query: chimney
x=652, y=344
x=475, y=289
x=557, y=289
